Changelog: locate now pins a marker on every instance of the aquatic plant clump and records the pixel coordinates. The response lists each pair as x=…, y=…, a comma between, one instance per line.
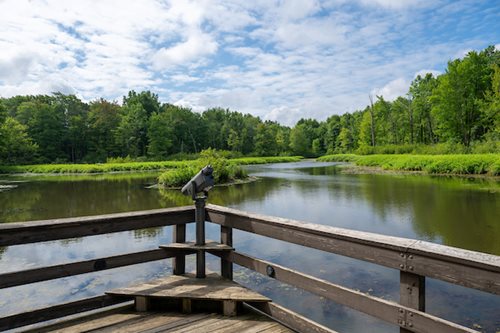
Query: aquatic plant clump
x=461, y=164
x=224, y=170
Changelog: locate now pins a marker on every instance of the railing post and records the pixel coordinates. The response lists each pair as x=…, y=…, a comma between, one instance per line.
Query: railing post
x=226, y=266
x=412, y=295
x=200, y=236
x=179, y=236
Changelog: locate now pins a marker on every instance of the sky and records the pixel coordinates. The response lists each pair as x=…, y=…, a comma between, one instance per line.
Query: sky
x=279, y=60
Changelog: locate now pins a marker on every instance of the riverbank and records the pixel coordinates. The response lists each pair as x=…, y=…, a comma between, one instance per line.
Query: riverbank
x=455, y=164
x=129, y=166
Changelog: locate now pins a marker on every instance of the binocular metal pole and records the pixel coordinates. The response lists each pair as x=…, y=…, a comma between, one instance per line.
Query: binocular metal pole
x=200, y=235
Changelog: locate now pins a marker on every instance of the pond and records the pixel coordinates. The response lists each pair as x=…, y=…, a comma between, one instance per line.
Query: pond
x=458, y=212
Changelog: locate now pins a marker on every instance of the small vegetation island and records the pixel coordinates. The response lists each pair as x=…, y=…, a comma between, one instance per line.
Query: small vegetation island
x=457, y=112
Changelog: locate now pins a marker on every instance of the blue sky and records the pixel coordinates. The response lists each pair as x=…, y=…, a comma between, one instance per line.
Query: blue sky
x=280, y=60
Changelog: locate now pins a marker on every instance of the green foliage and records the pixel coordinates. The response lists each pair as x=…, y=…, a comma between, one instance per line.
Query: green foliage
x=224, y=170
x=476, y=164
x=15, y=144
x=338, y=158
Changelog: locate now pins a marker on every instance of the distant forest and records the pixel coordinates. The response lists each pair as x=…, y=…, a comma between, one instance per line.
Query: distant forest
x=458, y=111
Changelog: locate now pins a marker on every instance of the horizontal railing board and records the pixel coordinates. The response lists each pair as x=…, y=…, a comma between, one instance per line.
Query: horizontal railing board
x=13, y=279
x=391, y=312
x=468, y=268
x=57, y=311
x=40, y=231
x=289, y=318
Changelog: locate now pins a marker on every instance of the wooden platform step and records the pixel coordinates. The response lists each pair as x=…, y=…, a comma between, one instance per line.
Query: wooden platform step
x=188, y=288
x=191, y=246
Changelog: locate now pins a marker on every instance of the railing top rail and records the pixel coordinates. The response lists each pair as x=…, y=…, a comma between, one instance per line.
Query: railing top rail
x=38, y=231
x=69, y=221
x=467, y=268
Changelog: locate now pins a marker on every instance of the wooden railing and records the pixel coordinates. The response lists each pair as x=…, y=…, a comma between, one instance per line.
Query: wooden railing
x=415, y=260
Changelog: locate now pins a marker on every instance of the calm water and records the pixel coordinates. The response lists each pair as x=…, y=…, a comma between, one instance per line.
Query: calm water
x=456, y=212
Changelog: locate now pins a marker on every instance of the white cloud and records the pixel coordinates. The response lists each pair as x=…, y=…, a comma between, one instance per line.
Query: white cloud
x=393, y=89
x=277, y=60
x=423, y=72
x=195, y=47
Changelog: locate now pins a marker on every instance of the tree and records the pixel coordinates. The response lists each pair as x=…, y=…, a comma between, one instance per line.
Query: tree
x=365, y=137
x=345, y=140
x=131, y=130
x=16, y=147
x=422, y=89
x=299, y=142
x=265, y=139
x=103, y=120
x=458, y=96
x=160, y=136
x=45, y=127
x=491, y=106
x=333, y=128
x=74, y=116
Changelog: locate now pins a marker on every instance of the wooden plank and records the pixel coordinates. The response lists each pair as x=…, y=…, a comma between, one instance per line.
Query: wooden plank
x=386, y=310
x=191, y=246
x=40, y=231
x=453, y=272
x=243, y=324
x=90, y=323
x=149, y=322
x=86, y=322
x=58, y=271
x=57, y=311
x=202, y=325
x=229, y=308
x=185, y=321
x=226, y=267
x=200, y=235
x=291, y=319
x=468, y=268
x=412, y=295
x=179, y=236
x=141, y=303
x=213, y=287
x=186, y=305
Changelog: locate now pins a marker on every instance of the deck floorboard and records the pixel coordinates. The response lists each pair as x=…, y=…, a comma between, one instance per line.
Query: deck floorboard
x=128, y=321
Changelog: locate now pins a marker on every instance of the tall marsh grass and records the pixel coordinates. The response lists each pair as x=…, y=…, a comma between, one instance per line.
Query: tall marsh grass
x=462, y=164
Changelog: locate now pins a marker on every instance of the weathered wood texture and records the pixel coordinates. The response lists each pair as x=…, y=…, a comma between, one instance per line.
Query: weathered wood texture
x=226, y=267
x=290, y=319
x=40, y=231
x=213, y=287
x=153, y=322
x=57, y=311
x=191, y=246
x=467, y=268
x=179, y=236
x=412, y=295
x=388, y=311
x=58, y=271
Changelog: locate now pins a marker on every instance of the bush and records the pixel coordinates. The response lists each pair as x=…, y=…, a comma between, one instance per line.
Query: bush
x=224, y=170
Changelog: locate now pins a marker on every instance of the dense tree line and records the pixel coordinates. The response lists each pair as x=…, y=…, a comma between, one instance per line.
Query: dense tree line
x=460, y=107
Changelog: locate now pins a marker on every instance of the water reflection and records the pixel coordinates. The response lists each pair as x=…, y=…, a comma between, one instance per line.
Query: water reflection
x=456, y=212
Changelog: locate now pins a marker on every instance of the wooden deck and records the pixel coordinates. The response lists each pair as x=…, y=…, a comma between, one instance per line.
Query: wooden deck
x=128, y=320
x=186, y=286
x=181, y=307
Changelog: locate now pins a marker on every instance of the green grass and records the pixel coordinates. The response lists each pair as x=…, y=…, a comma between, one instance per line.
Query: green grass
x=265, y=160
x=91, y=168
x=128, y=166
x=461, y=164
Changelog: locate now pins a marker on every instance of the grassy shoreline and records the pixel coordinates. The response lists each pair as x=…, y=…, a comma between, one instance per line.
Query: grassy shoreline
x=456, y=164
x=129, y=166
